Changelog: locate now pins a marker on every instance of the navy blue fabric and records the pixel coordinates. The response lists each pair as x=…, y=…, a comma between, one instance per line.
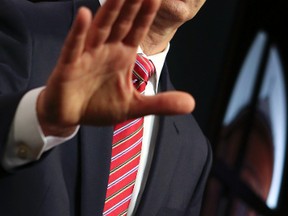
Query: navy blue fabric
x=71, y=179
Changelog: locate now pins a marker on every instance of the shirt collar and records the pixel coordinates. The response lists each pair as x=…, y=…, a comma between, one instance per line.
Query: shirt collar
x=102, y=2
x=158, y=61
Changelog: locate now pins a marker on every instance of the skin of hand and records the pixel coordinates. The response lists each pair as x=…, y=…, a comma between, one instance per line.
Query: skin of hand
x=91, y=82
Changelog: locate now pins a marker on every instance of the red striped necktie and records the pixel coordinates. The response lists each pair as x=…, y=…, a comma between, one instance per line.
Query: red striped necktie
x=126, y=149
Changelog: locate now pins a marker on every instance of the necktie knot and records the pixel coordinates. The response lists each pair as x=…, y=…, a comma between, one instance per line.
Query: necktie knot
x=142, y=71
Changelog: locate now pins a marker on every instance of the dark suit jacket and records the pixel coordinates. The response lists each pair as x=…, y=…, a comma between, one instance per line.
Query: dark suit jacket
x=71, y=179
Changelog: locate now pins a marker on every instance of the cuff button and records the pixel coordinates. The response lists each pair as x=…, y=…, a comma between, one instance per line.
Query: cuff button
x=22, y=151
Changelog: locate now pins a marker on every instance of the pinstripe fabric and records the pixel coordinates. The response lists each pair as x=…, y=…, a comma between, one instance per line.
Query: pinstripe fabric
x=126, y=149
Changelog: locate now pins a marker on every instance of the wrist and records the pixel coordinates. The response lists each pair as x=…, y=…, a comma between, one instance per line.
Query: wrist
x=48, y=124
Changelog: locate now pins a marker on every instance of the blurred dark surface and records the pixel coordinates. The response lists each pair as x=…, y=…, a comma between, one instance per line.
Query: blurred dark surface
x=205, y=58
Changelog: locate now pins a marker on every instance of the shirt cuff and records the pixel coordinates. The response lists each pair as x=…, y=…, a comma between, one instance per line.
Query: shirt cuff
x=26, y=141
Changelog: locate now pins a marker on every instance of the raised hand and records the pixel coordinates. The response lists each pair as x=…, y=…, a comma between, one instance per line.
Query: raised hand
x=91, y=83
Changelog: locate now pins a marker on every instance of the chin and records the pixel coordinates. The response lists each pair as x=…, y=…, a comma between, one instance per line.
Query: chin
x=180, y=10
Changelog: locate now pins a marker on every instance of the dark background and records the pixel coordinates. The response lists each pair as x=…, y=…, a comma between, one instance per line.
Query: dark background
x=204, y=60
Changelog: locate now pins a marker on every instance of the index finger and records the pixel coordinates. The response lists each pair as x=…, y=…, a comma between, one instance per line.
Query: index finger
x=103, y=22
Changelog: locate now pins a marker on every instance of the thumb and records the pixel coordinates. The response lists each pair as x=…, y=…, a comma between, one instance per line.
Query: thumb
x=167, y=103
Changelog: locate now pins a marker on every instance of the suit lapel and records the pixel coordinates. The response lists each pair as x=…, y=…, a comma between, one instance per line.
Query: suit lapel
x=165, y=158
x=95, y=166
x=166, y=155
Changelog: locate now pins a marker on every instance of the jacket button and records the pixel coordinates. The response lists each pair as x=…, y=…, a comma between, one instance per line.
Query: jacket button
x=22, y=151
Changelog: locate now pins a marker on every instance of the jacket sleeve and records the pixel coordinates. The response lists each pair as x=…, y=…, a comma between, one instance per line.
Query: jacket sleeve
x=15, y=58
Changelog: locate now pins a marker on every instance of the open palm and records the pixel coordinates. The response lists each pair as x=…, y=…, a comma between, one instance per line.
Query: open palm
x=91, y=83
